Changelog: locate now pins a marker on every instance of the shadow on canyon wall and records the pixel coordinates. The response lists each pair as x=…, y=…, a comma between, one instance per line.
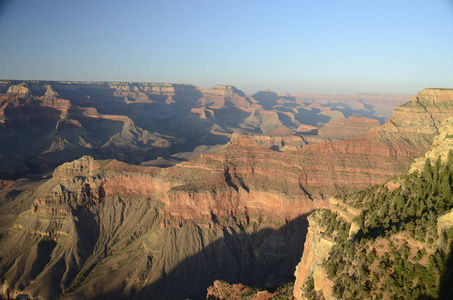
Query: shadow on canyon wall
x=265, y=259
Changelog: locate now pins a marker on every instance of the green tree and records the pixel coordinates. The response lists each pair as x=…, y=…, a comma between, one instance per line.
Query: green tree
x=427, y=171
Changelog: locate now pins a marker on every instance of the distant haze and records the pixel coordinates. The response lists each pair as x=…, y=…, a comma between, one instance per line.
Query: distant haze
x=296, y=46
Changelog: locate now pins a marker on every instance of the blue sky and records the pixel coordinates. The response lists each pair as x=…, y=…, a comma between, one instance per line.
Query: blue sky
x=346, y=46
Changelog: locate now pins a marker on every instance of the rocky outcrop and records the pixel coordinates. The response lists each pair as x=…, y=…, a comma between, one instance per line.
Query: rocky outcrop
x=224, y=90
x=267, y=99
x=316, y=251
x=20, y=90
x=317, y=248
x=436, y=95
x=221, y=290
x=224, y=96
x=281, y=139
x=347, y=128
x=441, y=146
x=307, y=129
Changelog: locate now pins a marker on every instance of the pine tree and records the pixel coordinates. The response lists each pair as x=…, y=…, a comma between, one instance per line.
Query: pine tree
x=427, y=172
x=449, y=158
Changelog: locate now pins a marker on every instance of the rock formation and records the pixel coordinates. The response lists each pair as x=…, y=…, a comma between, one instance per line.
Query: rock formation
x=440, y=147
x=346, y=128
x=221, y=290
x=316, y=251
x=382, y=105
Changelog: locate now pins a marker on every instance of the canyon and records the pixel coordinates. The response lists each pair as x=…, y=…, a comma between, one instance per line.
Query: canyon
x=158, y=190
x=46, y=123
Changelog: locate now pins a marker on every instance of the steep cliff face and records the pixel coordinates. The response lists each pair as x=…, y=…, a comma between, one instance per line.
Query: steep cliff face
x=316, y=251
x=240, y=179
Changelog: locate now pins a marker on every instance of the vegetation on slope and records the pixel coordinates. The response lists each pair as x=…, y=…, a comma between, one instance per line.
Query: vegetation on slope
x=222, y=290
x=398, y=253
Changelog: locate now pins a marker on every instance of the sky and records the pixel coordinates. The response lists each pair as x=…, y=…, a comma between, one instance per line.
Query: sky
x=295, y=46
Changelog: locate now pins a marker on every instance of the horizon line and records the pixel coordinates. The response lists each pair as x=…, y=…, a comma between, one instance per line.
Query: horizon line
x=195, y=85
